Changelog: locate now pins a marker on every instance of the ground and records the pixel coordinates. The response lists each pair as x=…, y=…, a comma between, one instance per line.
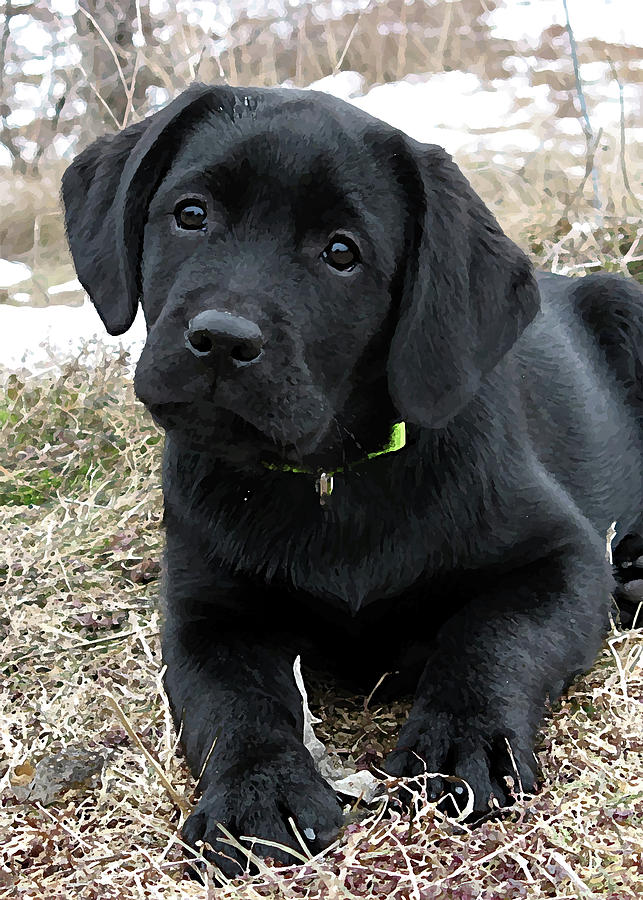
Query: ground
x=92, y=785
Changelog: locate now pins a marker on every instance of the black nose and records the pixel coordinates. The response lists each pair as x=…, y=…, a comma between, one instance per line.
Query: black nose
x=220, y=335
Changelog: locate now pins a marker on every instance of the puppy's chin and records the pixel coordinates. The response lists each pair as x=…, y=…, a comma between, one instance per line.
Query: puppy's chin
x=167, y=415
x=231, y=438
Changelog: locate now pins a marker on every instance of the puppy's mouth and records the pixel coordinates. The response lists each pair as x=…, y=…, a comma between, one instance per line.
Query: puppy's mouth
x=231, y=436
x=163, y=411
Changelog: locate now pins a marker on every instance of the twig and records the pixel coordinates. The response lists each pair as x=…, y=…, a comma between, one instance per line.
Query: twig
x=589, y=170
x=626, y=180
x=99, y=96
x=200, y=59
x=178, y=799
x=370, y=696
x=401, y=46
x=621, y=672
x=348, y=43
x=57, y=651
x=609, y=539
x=208, y=755
x=6, y=32
x=107, y=43
x=139, y=19
x=629, y=257
x=504, y=848
x=222, y=73
x=589, y=134
x=130, y=91
x=573, y=877
x=444, y=35
x=331, y=45
x=300, y=840
x=415, y=887
x=65, y=827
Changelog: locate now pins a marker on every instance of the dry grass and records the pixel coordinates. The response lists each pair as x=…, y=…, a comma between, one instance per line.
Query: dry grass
x=85, y=811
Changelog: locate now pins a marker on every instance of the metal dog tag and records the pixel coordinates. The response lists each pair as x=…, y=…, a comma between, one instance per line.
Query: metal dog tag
x=324, y=486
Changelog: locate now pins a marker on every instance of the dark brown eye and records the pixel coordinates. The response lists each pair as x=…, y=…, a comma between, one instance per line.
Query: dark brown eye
x=341, y=253
x=191, y=215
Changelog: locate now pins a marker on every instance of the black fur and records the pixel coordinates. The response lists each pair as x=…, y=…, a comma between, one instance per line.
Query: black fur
x=472, y=561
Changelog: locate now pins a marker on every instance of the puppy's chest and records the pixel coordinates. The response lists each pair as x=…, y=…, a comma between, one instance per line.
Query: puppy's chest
x=338, y=558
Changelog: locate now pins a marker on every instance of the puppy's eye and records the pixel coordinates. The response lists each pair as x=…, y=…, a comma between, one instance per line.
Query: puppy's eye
x=341, y=253
x=191, y=214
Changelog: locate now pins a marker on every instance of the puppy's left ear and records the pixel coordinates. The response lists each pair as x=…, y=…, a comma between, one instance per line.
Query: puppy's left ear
x=106, y=191
x=468, y=295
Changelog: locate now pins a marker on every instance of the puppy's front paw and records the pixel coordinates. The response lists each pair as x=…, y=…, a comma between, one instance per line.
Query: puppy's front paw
x=256, y=798
x=463, y=748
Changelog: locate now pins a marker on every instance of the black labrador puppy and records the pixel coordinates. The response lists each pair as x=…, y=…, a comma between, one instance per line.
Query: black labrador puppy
x=390, y=446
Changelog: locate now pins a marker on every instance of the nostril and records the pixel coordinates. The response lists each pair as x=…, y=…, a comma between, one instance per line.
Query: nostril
x=245, y=352
x=219, y=336
x=201, y=341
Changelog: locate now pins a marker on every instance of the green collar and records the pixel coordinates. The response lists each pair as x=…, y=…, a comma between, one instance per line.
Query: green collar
x=324, y=483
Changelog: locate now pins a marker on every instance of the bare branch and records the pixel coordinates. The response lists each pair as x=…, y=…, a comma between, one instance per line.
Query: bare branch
x=587, y=125
x=626, y=180
x=108, y=44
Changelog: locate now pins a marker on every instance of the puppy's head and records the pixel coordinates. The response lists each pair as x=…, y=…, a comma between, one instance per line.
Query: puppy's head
x=308, y=274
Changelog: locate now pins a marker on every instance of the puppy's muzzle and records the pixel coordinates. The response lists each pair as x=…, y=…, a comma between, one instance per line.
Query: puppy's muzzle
x=220, y=337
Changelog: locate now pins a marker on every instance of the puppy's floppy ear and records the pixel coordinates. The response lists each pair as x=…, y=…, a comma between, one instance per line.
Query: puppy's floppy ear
x=106, y=193
x=468, y=294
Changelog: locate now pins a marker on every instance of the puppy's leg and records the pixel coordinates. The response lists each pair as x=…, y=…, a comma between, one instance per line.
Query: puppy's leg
x=232, y=690
x=492, y=667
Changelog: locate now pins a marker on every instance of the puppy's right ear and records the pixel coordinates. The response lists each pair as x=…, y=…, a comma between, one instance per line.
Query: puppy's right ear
x=106, y=192
x=469, y=292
